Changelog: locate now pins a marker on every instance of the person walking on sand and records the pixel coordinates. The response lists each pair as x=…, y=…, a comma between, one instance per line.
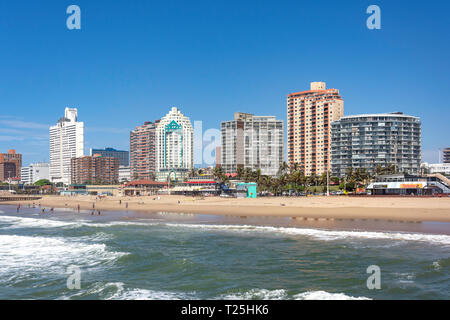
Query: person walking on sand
x=78, y=208
x=18, y=207
x=93, y=205
x=126, y=205
x=43, y=210
x=92, y=213
x=98, y=212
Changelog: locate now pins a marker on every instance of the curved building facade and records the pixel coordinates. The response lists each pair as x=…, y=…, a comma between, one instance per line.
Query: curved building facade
x=371, y=140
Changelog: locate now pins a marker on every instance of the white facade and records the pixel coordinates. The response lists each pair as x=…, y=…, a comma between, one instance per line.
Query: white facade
x=252, y=142
x=35, y=172
x=443, y=168
x=124, y=174
x=174, y=146
x=66, y=142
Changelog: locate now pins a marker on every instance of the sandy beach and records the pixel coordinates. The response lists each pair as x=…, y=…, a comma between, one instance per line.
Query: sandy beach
x=333, y=207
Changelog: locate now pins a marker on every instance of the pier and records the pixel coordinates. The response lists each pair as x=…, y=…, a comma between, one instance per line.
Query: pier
x=18, y=198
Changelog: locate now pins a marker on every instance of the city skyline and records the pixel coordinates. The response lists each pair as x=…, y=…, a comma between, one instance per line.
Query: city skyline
x=118, y=83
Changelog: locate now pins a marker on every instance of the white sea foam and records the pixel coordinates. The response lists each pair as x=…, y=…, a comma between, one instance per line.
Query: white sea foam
x=257, y=294
x=281, y=294
x=117, y=291
x=327, y=235
x=23, y=222
x=323, y=295
x=25, y=256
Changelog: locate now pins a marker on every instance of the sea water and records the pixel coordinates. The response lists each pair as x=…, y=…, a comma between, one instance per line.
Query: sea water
x=124, y=255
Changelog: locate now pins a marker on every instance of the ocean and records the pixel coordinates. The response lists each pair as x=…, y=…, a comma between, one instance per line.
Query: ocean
x=127, y=255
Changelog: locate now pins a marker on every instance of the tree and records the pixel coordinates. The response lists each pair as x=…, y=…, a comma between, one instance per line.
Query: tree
x=43, y=182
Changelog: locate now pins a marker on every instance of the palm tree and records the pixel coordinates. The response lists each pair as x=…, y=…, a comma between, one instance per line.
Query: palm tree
x=240, y=172
x=283, y=168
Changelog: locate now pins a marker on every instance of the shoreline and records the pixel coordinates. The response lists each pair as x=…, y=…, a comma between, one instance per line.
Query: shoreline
x=303, y=208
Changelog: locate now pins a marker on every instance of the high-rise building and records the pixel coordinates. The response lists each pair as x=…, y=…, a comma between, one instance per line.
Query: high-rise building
x=253, y=142
x=66, y=142
x=35, y=172
x=371, y=140
x=124, y=156
x=446, y=153
x=143, y=152
x=95, y=170
x=175, y=147
x=310, y=114
x=10, y=165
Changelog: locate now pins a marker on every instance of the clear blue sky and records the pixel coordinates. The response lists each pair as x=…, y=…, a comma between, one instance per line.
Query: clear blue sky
x=133, y=60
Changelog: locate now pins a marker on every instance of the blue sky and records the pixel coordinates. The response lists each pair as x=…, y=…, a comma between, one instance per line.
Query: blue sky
x=133, y=60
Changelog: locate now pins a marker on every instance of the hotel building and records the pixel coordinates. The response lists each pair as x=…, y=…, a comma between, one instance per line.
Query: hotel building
x=143, y=152
x=95, y=170
x=253, y=142
x=174, y=147
x=10, y=165
x=66, y=142
x=35, y=172
x=366, y=141
x=310, y=114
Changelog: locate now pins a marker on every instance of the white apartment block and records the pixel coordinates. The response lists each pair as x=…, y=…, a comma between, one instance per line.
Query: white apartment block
x=174, y=146
x=252, y=142
x=35, y=172
x=66, y=142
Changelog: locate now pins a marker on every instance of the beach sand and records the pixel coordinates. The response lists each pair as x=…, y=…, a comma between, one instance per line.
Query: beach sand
x=316, y=207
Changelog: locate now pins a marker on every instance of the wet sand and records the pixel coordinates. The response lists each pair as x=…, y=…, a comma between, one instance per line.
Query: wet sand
x=333, y=208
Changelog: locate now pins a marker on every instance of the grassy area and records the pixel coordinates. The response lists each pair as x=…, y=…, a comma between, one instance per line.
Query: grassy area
x=322, y=189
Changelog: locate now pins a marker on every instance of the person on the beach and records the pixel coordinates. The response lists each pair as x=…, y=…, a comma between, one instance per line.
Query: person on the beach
x=98, y=212
x=51, y=209
x=92, y=213
x=18, y=207
x=43, y=210
x=78, y=208
x=126, y=205
x=120, y=201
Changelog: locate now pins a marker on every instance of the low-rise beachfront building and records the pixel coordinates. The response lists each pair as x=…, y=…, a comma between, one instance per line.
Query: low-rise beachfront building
x=371, y=140
x=143, y=188
x=404, y=184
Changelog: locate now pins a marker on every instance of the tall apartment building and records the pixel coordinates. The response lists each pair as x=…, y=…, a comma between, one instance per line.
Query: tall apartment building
x=253, y=142
x=35, y=172
x=143, y=152
x=10, y=165
x=446, y=153
x=95, y=170
x=175, y=147
x=310, y=114
x=124, y=156
x=66, y=142
x=366, y=141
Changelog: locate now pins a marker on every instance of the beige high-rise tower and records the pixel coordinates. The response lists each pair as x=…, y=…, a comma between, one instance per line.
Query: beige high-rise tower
x=310, y=114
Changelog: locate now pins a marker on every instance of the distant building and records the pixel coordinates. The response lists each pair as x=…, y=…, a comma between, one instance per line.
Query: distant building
x=35, y=172
x=124, y=174
x=143, y=152
x=253, y=142
x=94, y=170
x=310, y=114
x=124, y=156
x=66, y=142
x=10, y=165
x=446, y=154
x=175, y=147
x=443, y=168
x=371, y=140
